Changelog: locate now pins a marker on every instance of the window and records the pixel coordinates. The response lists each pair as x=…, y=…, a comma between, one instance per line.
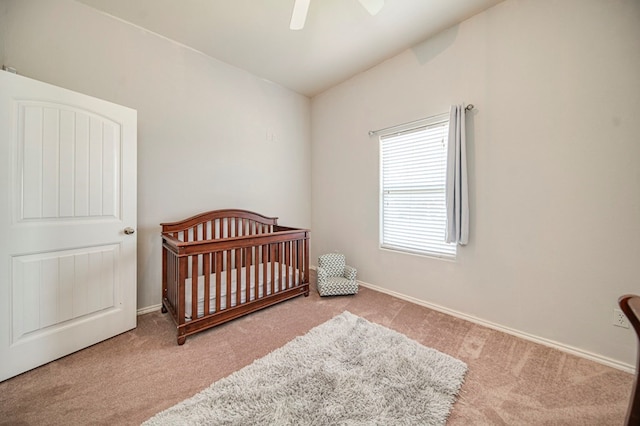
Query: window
x=413, y=165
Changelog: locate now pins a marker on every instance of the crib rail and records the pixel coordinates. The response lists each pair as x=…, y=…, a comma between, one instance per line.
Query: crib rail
x=241, y=266
x=220, y=224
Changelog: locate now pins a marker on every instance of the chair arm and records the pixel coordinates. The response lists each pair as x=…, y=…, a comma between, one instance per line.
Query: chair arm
x=321, y=274
x=350, y=272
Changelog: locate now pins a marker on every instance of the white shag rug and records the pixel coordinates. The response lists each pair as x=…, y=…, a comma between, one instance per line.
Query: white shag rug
x=346, y=371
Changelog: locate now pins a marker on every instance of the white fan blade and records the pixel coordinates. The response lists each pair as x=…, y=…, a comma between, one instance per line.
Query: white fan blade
x=299, y=15
x=372, y=6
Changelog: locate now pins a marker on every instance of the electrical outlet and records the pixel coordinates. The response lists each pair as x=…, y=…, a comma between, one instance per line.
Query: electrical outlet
x=619, y=319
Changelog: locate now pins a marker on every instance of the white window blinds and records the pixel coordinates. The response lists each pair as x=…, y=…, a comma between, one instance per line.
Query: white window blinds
x=413, y=177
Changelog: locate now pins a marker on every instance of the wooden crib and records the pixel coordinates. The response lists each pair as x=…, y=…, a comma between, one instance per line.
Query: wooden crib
x=220, y=265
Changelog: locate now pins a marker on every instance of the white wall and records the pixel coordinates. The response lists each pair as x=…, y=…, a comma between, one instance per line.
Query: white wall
x=202, y=124
x=554, y=152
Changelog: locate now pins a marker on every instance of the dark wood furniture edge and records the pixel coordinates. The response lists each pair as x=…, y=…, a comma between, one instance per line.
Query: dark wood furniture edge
x=630, y=305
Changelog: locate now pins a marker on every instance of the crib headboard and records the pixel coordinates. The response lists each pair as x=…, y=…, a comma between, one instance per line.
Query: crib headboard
x=219, y=224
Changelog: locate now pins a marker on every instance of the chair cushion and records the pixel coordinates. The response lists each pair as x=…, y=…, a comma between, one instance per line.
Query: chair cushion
x=336, y=286
x=332, y=263
x=350, y=272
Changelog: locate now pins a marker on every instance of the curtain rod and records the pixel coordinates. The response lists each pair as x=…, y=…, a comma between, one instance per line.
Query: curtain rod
x=373, y=132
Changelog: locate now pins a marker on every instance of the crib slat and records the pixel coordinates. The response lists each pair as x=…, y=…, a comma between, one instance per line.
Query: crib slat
x=194, y=287
x=301, y=257
x=305, y=278
x=287, y=253
x=280, y=263
x=265, y=257
x=228, y=254
x=213, y=262
x=294, y=263
x=279, y=271
x=272, y=259
x=256, y=272
x=218, y=278
x=238, y=276
x=206, y=263
x=248, y=298
x=291, y=268
x=274, y=272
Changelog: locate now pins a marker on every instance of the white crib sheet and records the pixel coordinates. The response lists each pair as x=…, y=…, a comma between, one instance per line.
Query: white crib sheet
x=294, y=276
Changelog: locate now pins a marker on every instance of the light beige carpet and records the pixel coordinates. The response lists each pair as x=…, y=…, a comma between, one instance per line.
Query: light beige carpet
x=344, y=371
x=128, y=379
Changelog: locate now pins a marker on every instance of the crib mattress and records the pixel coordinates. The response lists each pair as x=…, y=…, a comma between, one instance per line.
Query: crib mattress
x=294, y=277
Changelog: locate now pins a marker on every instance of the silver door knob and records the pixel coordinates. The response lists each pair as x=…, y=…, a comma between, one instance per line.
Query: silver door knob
x=129, y=231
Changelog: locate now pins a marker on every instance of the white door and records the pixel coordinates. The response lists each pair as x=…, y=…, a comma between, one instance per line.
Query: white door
x=67, y=193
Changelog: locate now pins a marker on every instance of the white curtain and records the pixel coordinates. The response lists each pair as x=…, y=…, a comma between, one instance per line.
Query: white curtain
x=457, y=196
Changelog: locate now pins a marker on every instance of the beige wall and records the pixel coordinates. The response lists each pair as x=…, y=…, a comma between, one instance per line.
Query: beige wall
x=3, y=26
x=554, y=152
x=202, y=124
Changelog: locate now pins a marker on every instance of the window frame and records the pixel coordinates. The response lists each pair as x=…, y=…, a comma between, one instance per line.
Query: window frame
x=450, y=251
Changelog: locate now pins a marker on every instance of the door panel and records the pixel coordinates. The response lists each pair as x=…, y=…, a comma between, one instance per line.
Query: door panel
x=67, y=162
x=52, y=288
x=68, y=176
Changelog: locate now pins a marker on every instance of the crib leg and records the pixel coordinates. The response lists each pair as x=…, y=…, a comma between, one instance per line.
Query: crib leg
x=163, y=309
x=181, y=340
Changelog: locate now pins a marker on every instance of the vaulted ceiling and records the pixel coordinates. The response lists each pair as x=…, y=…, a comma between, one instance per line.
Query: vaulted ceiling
x=340, y=38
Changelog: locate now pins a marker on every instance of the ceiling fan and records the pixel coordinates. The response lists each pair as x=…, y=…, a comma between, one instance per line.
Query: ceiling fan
x=301, y=7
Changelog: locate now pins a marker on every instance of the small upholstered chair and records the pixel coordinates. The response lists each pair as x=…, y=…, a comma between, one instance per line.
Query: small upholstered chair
x=335, y=277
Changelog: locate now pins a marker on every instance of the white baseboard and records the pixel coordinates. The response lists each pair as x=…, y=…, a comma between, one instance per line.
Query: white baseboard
x=526, y=336
x=148, y=309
